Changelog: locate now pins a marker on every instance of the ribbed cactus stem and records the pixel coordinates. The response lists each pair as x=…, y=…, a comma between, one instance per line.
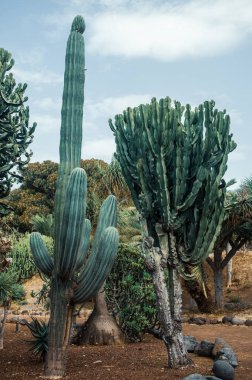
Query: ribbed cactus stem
x=71, y=118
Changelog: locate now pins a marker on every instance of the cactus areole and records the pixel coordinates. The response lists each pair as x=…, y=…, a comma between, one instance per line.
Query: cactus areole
x=173, y=159
x=74, y=278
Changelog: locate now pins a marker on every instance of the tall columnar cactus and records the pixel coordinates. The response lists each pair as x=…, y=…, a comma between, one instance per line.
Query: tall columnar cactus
x=75, y=275
x=173, y=160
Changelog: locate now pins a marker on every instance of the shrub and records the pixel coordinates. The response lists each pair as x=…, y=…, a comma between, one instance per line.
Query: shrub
x=23, y=266
x=130, y=294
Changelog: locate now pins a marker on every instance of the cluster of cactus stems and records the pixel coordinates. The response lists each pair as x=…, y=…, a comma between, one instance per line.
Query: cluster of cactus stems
x=15, y=133
x=76, y=270
x=173, y=159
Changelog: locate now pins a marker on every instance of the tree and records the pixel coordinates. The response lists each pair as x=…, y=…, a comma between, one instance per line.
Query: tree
x=236, y=230
x=15, y=133
x=173, y=160
x=36, y=194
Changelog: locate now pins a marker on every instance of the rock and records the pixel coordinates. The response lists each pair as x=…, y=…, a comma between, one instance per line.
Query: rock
x=227, y=320
x=194, y=376
x=227, y=353
x=190, y=342
x=248, y=322
x=12, y=320
x=24, y=312
x=237, y=321
x=223, y=370
x=212, y=378
x=213, y=321
x=197, y=320
x=204, y=348
x=219, y=343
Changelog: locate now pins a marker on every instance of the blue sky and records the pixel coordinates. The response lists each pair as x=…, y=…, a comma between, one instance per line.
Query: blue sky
x=189, y=50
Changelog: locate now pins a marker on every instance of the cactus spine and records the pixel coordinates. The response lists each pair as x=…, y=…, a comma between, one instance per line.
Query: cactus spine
x=72, y=281
x=173, y=160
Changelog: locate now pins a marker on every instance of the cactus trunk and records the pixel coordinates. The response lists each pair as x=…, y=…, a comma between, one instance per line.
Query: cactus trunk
x=55, y=366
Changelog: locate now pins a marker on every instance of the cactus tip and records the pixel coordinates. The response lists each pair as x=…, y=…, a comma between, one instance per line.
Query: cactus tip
x=78, y=24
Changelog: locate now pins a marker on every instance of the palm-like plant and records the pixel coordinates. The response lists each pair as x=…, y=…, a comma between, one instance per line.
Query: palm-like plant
x=9, y=290
x=236, y=230
x=39, y=330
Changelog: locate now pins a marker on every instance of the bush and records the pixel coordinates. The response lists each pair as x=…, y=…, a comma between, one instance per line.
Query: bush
x=23, y=266
x=130, y=294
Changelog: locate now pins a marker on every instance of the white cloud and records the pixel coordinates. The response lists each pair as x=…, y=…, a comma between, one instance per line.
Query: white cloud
x=169, y=32
x=102, y=149
x=48, y=104
x=109, y=107
x=45, y=123
x=37, y=77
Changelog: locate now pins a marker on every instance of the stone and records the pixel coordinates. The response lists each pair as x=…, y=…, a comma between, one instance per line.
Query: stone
x=237, y=321
x=212, y=378
x=227, y=320
x=190, y=342
x=248, y=322
x=223, y=370
x=197, y=320
x=228, y=354
x=213, y=321
x=219, y=343
x=204, y=348
x=194, y=376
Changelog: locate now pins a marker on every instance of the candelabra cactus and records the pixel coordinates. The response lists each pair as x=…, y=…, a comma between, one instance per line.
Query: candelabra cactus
x=173, y=160
x=75, y=275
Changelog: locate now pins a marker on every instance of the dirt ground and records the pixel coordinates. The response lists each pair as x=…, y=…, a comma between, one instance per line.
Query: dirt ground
x=138, y=361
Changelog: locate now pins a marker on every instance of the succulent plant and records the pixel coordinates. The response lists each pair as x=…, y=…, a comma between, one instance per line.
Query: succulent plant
x=75, y=274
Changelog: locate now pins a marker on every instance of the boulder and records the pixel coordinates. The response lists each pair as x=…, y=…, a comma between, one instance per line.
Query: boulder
x=194, y=376
x=227, y=353
x=190, y=342
x=197, y=320
x=237, y=321
x=204, y=348
x=248, y=322
x=219, y=343
x=223, y=370
x=227, y=320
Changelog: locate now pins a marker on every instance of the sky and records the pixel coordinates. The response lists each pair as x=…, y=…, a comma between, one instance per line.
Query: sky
x=191, y=51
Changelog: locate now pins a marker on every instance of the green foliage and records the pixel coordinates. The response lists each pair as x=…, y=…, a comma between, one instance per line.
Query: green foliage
x=9, y=289
x=15, y=133
x=23, y=266
x=173, y=159
x=39, y=330
x=36, y=195
x=43, y=224
x=130, y=294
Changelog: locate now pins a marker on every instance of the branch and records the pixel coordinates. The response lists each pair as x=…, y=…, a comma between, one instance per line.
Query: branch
x=231, y=253
x=210, y=263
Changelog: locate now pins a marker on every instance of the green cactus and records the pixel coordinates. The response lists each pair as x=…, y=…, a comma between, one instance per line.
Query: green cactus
x=15, y=133
x=75, y=274
x=173, y=160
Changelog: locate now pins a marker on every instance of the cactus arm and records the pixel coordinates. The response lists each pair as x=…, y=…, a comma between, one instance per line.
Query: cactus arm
x=85, y=245
x=42, y=260
x=98, y=266
x=72, y=225
x=107, y=217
